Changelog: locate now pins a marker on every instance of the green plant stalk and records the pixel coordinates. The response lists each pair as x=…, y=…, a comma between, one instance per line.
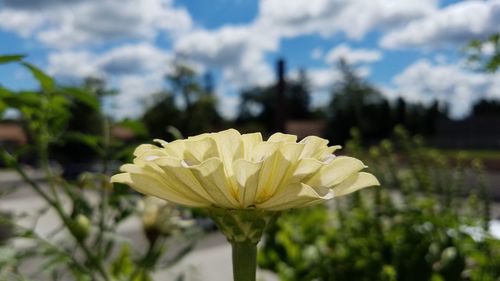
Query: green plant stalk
x=56, y=204
x=243, y=229
x=57, y=207
x=142, y=263
x=244, y=260
x=103, y=192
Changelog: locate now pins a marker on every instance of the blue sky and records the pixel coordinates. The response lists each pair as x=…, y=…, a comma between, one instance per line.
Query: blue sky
x=406, y=48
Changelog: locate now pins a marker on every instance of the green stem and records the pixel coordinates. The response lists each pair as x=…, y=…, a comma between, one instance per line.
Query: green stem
x=12, y=162
x=244, y=261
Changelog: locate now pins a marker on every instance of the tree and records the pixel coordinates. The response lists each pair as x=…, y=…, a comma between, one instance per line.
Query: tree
x=298, y=96
x=356, y=103
x=478, y=52
x=486, y=108
x=198, y=114
x=161, y=114
x=258, y=104
x=184, y=82
x=85, y=126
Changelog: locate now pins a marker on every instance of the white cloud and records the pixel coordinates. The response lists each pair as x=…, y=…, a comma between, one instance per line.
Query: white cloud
x=237, y=50
x=352, y=56
x=123, y=60
x=22, y=22
x=327, y=17
x=81, y=23
x=135, y=59
x=135, y=91
x=323, y=79
x=454, y=25
x=423, y=81
x=69, y=65
x=35, y=4
x=136, y=70
x=228, y=105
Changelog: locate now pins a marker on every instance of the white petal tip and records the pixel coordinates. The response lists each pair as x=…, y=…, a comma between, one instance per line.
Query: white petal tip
x=151, y=157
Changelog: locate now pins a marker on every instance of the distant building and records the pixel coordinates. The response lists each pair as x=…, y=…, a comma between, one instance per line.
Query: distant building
x=471, y=133
x=122, y=133
x=12, y=135
x=304, y=128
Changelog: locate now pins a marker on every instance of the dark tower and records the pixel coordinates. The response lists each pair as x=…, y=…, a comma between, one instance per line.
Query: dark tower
x=280, y=106
x=209, y=83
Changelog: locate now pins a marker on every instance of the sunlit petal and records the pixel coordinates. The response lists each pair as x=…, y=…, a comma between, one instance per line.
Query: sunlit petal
x=212, y=175
x=174, y=169
x=200, y=150
x=149, y=186
x=355, y=183
x=249, y=143
x=230, y=147
x=233, y=171
x=334, y=173
x=280, y=137
x=295, y=195
x=247, y=179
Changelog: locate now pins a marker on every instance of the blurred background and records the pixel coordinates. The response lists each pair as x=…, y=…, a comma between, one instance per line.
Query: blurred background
x=410, y=87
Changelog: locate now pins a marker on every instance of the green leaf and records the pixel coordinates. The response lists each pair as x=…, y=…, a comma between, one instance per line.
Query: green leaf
x=4, y=93
x=46, y=82
x=10, y=58
x=123, y=265
x=82, y=95
x=89, y=140
x=53, y=261
x=175, y=132
x=3, y=107
x=22, y=99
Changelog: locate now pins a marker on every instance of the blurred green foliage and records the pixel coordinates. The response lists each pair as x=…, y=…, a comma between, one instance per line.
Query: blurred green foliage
x=197, y=114
x=485, y=53
x=84, y=243
x=357, y=103
x=421, y=224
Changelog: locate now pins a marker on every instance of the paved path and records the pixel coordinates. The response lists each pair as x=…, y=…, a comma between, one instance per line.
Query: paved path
x=209, y=261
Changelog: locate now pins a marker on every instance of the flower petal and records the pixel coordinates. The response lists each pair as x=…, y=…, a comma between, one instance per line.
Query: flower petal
x=200, y=150
x=274, y=169
x=246, y=174
x=212, y=176
x=295, y=195
x=280, y=137
x=173, y=169
x=354, y=183
x=143, y=148
x=249, y=143
x=150, y=186
x=230, y=147
x=201, y=136
x=313, y=144
x=161, y=142
x=264, y=150
x=334, y=173
x=155, y=172
x=303, y=169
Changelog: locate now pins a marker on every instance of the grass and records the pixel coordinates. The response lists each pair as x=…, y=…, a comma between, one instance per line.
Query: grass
x=481, y=154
